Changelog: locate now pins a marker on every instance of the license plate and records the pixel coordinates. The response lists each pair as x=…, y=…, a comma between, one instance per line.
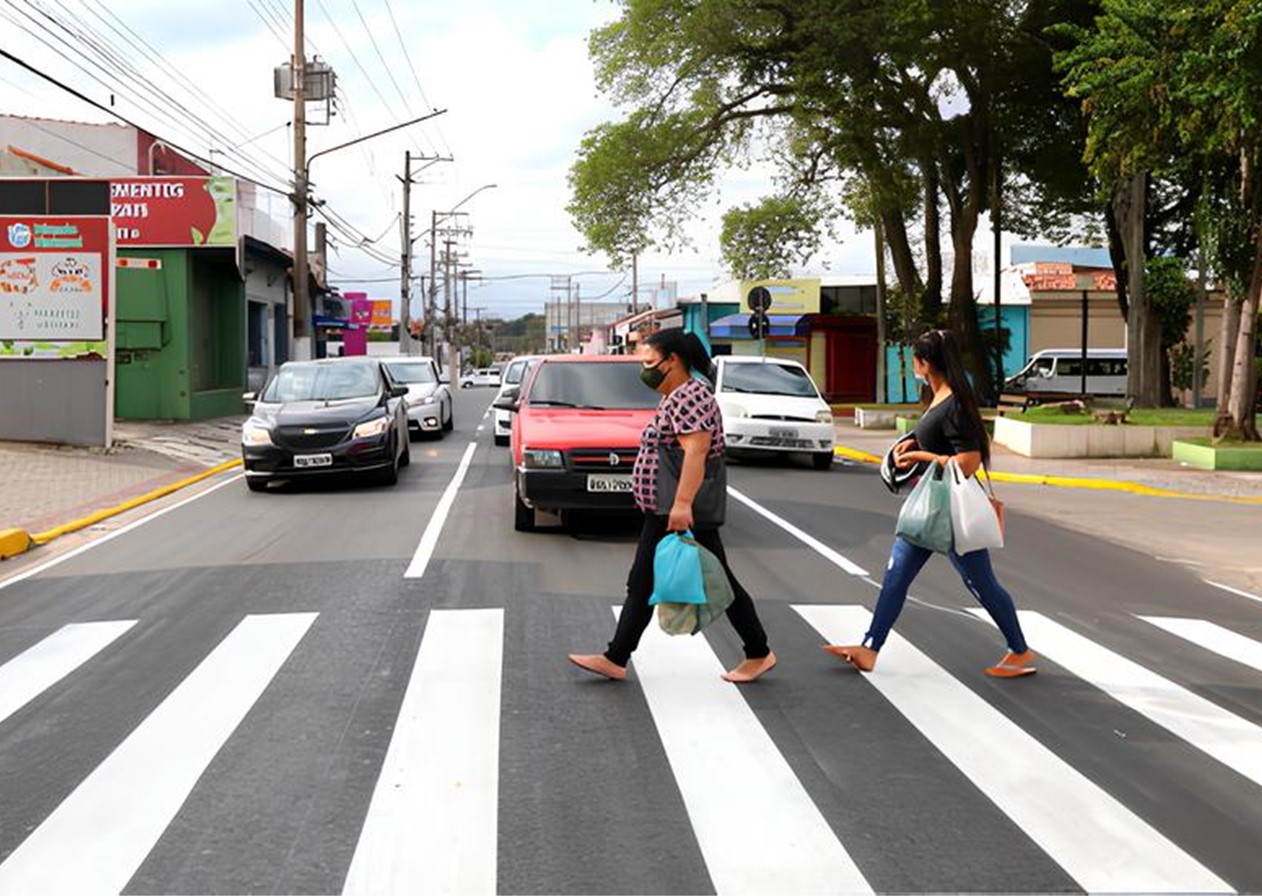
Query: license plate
x=608, y=483
x=313, y=460
x=778, y=432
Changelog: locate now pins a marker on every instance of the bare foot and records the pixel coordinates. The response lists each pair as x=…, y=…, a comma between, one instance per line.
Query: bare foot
x=750, y=670
x=599, y=664
x=862, y=658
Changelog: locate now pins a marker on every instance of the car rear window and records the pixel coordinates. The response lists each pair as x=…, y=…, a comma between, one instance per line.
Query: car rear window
x=409, y=372
x=613, y=385
x=768, y=379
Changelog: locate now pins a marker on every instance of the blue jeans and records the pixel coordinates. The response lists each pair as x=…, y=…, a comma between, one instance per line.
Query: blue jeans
x=906, y=561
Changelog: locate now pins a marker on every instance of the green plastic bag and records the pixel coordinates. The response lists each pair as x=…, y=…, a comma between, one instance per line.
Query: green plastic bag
x=688, y=619
x=925, y=519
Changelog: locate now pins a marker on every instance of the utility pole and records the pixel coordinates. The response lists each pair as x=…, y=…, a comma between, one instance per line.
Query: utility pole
x=405, y=284
x=635, y=285
x=578, y=318
x=302, y=300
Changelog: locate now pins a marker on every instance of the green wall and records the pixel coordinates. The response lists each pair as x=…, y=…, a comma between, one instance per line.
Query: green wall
x=180, y=351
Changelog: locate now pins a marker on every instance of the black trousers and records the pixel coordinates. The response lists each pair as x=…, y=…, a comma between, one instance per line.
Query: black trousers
x=636, y=612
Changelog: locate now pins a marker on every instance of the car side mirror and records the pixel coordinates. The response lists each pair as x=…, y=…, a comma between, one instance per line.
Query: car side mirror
x=250, y=397
x=510, y=401
x=444, y=379
x=398, y=391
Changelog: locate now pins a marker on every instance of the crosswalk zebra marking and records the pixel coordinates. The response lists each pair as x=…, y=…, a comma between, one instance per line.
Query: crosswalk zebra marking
x=432, y=824
x=94, y=841
x=728, y=768
x=1097, y=841
x=1212, y=637
x=1233, y=741
x=42, y=665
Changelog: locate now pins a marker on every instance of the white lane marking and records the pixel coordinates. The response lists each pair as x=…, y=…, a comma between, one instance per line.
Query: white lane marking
x=433, y=823
x=100, y=834
x=809, y=540
x=110, y=536
x=1212, y=637
x=1235, y=591
x=728, y=769
x=1228, y=738
x=42, y=665
x=429, y=539
x=1100, y=843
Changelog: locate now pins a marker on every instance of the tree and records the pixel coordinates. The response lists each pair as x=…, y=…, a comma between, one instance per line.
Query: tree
x=1170, y=83
x=762, y=241
x=1171, y=296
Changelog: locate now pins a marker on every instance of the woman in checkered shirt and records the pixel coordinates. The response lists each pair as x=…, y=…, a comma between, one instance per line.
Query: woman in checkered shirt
x=688, y=417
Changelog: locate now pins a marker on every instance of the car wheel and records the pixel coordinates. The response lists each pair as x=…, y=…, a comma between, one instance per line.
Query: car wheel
x=523, y=516
x=450, y=423
x=256, y=485
x=501, y=440
x=407, y=454
x=822, y=461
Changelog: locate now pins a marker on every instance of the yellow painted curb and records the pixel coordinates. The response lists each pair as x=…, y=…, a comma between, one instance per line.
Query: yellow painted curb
x=48, y=535
x=1111, y=485
x=13, y=542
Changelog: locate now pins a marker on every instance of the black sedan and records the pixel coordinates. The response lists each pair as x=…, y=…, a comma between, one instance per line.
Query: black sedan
x=317, y=418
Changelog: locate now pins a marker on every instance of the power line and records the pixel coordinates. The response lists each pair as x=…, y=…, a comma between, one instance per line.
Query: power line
x=270, y=22
x=408, y=56
x=407, y=107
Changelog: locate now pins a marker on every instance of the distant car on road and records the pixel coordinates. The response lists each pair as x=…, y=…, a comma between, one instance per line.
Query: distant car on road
x=514, y=372
x=771, y=405
x=576, y=430
x=429, y=400
x=327, y=417
x=485, y=376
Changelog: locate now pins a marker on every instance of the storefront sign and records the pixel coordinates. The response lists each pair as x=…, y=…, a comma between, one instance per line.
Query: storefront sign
x=175, y=212
x=382, y=314
x=1051, y=276
x=54, y=285
x=787, y=296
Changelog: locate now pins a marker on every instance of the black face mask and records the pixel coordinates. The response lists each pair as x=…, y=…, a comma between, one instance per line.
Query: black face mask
x=653, y=376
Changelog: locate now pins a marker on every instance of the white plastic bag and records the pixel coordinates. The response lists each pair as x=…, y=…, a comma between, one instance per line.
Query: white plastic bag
x=973, y=518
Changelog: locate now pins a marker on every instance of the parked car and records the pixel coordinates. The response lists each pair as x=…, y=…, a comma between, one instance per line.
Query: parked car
x=485, y=376
x=429, y=400
x=514, y=372
x=329, y=417
x=576, y=430
x=1057, y=373
x=771, y=405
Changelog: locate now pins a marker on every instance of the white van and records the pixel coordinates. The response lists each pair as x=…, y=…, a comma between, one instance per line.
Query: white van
x=1058, y=372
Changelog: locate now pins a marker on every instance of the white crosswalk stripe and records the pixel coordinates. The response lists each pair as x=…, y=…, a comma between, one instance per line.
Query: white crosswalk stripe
x=1231, y=740
x=38, y=668
x=96, y=839
x=1212, y=637
x=728, y=768
x=432, y=824
x=431, y=827
x=1099, y=842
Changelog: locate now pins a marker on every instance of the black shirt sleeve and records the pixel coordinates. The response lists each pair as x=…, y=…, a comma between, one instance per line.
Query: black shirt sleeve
x=955, y=428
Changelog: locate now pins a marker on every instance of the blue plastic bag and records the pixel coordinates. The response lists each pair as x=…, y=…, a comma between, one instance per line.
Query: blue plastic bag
x=677, y=573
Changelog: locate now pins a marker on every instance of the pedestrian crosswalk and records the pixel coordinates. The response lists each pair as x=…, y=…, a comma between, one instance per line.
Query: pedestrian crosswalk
x=433, y=822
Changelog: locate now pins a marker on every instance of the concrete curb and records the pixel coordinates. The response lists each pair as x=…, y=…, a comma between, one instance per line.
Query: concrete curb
x=1113, y=485
x=18, y=541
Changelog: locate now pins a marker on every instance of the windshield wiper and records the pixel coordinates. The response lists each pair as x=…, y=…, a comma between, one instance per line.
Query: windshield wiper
x=545, y=402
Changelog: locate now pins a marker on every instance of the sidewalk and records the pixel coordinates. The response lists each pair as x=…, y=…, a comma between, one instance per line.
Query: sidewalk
x=43, y=486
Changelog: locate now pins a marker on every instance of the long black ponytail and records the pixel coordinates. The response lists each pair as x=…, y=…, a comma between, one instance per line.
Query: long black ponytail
x=688, y=346
x=937, y=348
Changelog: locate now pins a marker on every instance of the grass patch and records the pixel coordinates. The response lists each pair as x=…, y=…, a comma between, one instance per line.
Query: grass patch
x=1234, y=444
x=1137, y=417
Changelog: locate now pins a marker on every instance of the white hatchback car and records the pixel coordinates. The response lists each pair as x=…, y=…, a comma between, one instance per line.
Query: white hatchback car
x=514, y=373
x=483, y=376
x=773, y=405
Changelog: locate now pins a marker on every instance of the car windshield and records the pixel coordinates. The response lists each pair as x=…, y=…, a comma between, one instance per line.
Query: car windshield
x=322, y=382
x=410, y=372
x=596, y=384
x=768, y=379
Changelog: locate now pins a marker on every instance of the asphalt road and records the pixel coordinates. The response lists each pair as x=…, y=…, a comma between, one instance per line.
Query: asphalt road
x=364, y=689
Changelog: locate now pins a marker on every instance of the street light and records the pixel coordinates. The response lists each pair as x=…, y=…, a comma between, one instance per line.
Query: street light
x=431, y=313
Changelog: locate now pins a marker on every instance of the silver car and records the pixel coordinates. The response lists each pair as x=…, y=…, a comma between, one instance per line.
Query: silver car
x=429, y=401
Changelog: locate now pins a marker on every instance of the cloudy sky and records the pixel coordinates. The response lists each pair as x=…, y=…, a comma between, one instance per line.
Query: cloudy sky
x=513, y=75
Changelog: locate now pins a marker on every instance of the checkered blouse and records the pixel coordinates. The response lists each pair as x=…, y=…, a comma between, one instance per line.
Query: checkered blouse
x=689, y=408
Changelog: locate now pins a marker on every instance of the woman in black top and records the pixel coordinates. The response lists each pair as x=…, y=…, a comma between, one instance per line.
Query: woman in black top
x=951, y=429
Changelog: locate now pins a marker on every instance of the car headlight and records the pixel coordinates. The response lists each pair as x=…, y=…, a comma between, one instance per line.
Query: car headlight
x=823, y=416
x=256, y=432
x=541, y=458
x=372, y=428
x=428, y=399
x=735, y=410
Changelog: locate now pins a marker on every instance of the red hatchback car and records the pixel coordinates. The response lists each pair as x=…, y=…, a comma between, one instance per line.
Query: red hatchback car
x=576, y=431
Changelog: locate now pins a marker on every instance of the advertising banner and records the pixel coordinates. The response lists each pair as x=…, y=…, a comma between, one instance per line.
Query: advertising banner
x=787, y=296
x=55, y=280
x=382, y=314
x=175, y=212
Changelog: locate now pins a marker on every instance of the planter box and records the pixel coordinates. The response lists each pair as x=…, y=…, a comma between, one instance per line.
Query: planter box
x=1052, y=440
x=905, y=425
x=1211, y=457
x=867, y=418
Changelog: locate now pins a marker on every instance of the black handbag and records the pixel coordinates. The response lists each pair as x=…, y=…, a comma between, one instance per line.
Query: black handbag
x=709, y=506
